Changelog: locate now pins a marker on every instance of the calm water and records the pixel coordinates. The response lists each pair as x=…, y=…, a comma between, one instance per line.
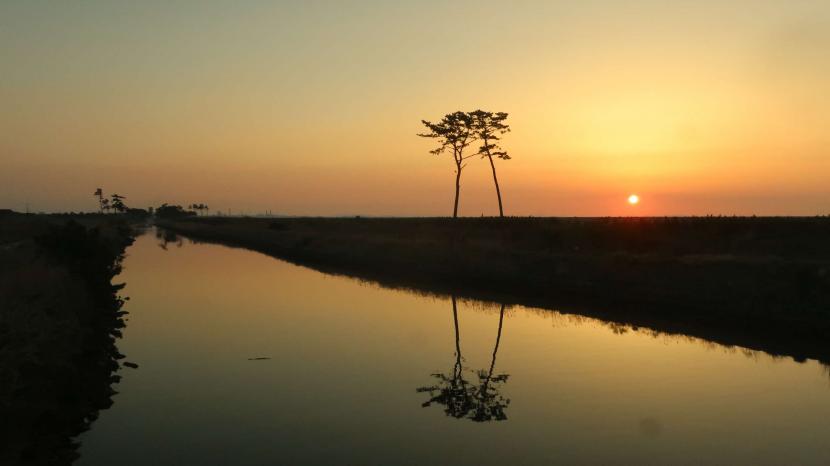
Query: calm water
x=364, y=375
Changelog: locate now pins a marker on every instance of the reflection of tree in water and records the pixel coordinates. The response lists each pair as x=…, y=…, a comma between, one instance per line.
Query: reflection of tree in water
x=479, y=401
x=166, y=237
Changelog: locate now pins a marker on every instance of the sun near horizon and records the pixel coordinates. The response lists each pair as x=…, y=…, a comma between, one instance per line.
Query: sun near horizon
x=311, y=109
x=250, y=253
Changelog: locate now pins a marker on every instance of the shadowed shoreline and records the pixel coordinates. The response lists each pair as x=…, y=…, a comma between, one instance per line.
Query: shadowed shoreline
x=758, y=283
x=60, y=317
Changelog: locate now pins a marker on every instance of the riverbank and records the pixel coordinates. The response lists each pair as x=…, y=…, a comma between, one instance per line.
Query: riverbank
x=60, y=315
x=760, y=283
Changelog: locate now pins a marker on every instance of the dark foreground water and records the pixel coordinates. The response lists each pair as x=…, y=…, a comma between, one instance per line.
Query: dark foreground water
x=358, y=374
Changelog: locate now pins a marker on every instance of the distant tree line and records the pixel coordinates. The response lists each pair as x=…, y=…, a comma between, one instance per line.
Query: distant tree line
x=456, y=131
x=114, y=203
x=176, y=211
x=201, y=208
x=173, y=212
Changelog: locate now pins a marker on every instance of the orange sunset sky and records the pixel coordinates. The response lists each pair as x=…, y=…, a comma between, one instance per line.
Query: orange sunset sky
x=311, y=107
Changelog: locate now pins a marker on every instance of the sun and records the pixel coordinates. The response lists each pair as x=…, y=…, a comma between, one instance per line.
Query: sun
x=633, y=199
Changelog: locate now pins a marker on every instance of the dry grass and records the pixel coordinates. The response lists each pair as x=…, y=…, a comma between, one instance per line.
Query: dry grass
x=59, y=317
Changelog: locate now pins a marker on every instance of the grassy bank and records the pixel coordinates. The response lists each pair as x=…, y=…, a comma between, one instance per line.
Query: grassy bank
x=762, y=283
x=60, y=315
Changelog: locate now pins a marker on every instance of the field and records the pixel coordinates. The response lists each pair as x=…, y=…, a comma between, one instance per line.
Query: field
x=761, y=283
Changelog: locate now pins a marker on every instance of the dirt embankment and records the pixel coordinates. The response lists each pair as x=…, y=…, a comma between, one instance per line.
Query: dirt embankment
x=60, y=316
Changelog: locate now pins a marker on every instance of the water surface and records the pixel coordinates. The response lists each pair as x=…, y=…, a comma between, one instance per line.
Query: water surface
x=248, y=360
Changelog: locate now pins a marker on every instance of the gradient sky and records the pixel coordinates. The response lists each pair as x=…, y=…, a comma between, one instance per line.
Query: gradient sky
x=312, y=107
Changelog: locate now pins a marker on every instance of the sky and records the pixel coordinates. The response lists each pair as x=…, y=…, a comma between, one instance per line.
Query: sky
x=312, y=107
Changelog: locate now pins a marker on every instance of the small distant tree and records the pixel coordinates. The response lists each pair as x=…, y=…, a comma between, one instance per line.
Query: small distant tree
x=105, y=205
x=200, y=208
x=118, y=203
x=99, y=193
x=488, y=126
x=454, y=133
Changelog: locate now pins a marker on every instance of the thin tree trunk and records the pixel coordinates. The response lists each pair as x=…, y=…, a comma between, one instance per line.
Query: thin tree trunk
x=457, y=366
x=498, y=339
x=495, y=350
x=457, y=190
x=496, y=181
x=455, y=321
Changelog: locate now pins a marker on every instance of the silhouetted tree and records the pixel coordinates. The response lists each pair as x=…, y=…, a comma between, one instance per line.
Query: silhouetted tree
x=452, y=390
x=105, y=205
x=118, y=203
x=99, y=193
x=487, y=127
x=491, y=404
x=173, y=212
x=201, y=208
x=454, y=133
x=166, y=237
x=461, y=399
